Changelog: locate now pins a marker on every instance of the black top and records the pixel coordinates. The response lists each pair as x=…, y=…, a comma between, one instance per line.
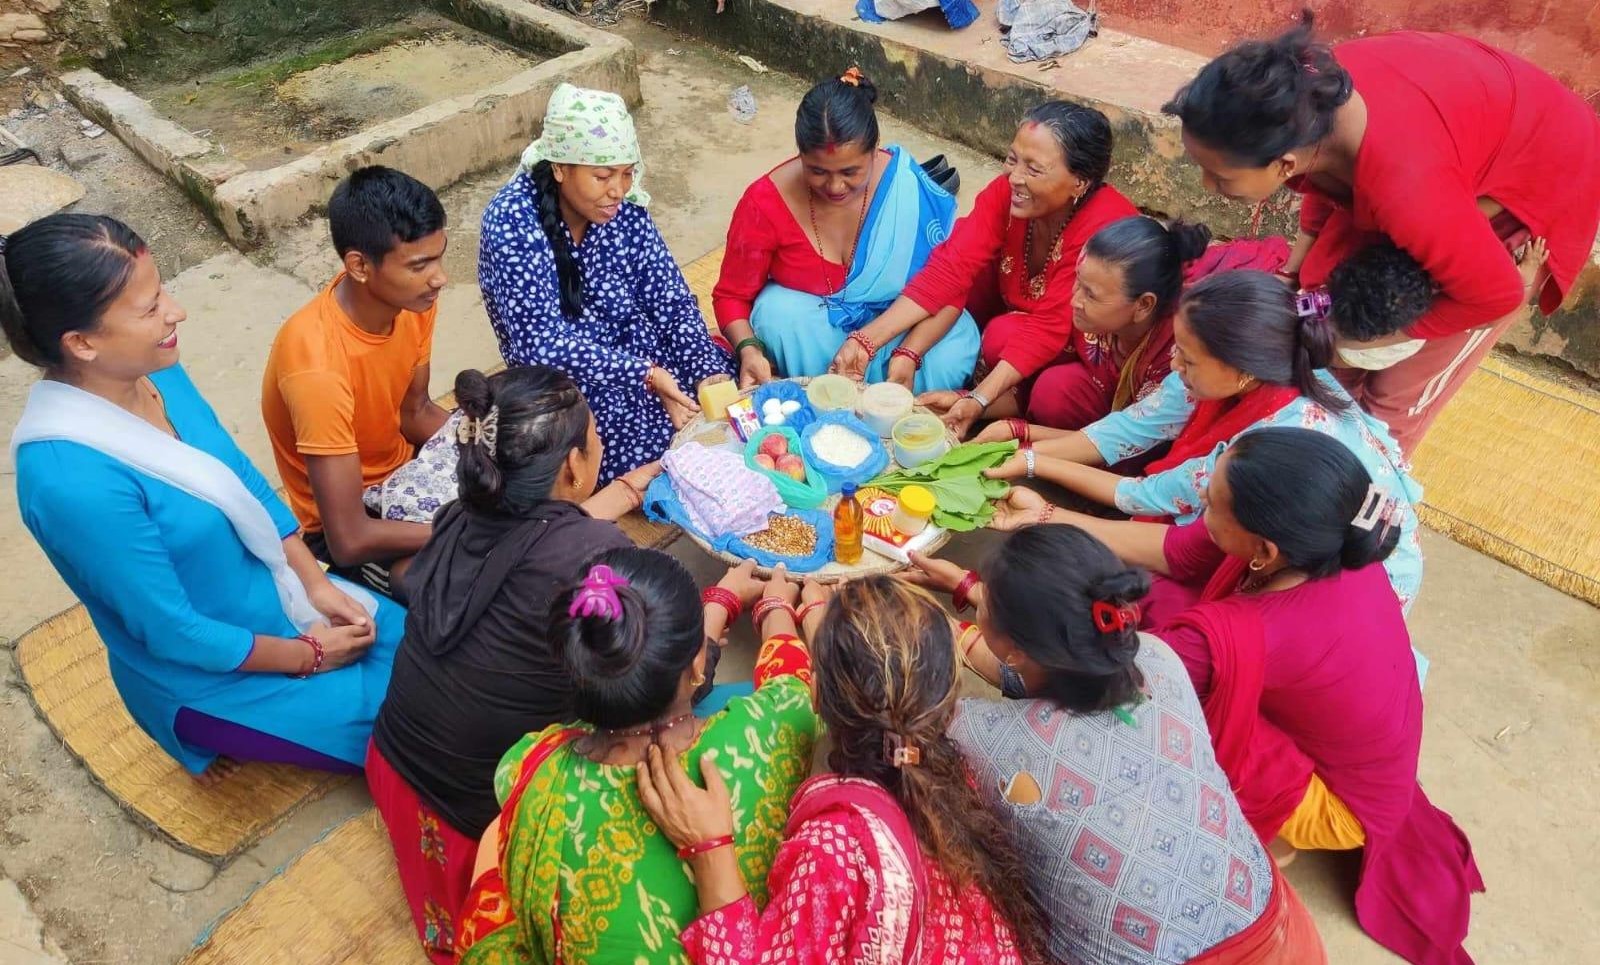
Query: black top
x=474, y=672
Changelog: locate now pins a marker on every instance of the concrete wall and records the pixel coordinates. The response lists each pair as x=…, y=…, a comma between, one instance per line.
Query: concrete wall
x=1562, y=36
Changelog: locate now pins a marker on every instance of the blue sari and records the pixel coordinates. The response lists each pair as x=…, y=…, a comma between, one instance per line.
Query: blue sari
x=908, y=217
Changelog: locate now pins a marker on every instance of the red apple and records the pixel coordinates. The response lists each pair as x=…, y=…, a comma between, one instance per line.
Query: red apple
x=775, y=445
x=766, y=462
x=797, y=473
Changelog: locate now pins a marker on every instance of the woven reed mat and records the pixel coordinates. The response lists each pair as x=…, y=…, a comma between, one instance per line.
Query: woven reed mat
x=1512, y=469
x=339, y=901
x=702, y=277
x=65, y=666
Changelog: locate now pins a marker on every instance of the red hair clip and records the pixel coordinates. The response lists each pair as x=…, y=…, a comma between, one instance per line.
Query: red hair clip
x=1109, y=618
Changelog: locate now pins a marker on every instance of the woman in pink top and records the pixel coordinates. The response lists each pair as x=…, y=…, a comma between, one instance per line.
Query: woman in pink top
x=1401, y=134
x=1303, y=664
x=896, y=857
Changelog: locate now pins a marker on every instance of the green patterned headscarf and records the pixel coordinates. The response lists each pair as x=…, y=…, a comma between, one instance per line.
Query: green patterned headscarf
x=589, y=127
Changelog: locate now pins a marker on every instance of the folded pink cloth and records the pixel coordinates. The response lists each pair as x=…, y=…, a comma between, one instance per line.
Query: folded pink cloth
x=720, y=493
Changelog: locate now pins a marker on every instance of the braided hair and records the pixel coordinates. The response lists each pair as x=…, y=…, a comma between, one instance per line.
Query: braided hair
x=569, y=274
x=538, y=417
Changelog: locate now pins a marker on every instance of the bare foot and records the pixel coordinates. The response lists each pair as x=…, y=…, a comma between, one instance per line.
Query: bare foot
x=1282, y=852
x=220, y=770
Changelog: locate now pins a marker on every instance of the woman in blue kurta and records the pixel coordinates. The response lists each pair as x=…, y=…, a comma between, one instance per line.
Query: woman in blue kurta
x=576, y=276
x=225, y=637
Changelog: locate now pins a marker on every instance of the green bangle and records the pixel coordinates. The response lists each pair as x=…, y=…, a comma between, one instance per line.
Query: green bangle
x=738, y=350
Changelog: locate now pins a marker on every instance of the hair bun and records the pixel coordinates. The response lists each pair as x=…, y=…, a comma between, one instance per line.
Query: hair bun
x=1189, y=240
x=473, y=394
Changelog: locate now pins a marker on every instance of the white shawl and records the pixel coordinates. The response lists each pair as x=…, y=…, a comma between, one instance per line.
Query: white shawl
x=57, y=411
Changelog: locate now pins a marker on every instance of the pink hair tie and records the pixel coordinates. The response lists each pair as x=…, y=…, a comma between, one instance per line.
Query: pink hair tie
x=598, y=595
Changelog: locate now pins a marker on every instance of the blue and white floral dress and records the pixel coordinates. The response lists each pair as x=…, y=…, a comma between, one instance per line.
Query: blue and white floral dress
x=637, y=312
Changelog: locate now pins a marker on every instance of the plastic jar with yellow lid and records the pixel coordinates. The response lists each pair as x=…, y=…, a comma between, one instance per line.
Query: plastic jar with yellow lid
x=914, y=511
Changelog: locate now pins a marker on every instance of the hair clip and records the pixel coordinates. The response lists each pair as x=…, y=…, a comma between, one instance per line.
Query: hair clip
x=1376, y=507
x=1115, y=618
x=485, y=430
x=1313, y=304
x=851, y=77
x=598, y=595
x=900, y=752
x=4, y=240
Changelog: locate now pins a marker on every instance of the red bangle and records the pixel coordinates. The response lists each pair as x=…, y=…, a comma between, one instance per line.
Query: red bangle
x=1020, y=431
x=710, y=844
x=317, y=654
x=906, y=353
x=765, y=607
x=724, y=598
x=959, y=595
x=1047, y=513
x=865, y=342
x=800, y=614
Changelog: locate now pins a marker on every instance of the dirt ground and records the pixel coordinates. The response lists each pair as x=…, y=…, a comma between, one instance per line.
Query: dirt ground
x=1510, y=698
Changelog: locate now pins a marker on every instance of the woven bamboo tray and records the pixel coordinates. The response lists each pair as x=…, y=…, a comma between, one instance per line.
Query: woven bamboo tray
x=871, y=564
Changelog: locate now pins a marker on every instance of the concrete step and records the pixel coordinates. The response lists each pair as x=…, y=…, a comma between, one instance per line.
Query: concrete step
x=960, y=84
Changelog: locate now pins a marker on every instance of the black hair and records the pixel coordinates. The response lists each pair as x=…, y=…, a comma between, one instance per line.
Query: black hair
x=1041, y=584
x=1151, y=255
x=540, y=417
x=1084, y=135
x=1378, y=291
x=569, y=274
x=1248, y=320
x=1301, y=490
x=837, y=112
x=625, y=671
x=59, y=275
x=376, y=209
x=1265, y=98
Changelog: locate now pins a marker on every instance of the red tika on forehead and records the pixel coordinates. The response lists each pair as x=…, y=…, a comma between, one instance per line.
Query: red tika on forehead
x=1030, y=125
x=830, y=147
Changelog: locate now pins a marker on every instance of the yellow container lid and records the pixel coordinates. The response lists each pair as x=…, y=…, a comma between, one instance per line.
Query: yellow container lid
x=917, y=501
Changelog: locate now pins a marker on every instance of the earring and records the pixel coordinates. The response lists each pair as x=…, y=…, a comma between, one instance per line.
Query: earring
x=1256, y=566
x=698, y=680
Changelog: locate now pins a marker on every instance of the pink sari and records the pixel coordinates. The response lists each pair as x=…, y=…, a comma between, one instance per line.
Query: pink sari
x=1417, y=868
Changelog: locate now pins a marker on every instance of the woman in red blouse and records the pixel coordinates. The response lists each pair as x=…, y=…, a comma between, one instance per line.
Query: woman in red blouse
x=824, y=242
x=1013, y=261
x=1401, y=134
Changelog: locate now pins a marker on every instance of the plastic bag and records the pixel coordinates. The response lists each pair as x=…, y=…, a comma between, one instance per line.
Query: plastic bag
x=661, y=504
x=834, y=475
x=800, y=495
x=785, y=391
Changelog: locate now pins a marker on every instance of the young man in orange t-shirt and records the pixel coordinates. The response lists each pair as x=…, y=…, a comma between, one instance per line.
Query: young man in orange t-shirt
x=345, y=395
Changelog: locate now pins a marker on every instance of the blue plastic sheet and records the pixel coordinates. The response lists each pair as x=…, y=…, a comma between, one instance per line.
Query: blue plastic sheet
x=661, y=504
x=836, y=476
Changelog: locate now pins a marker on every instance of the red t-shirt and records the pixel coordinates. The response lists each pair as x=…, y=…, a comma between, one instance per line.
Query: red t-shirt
x=1450, y=120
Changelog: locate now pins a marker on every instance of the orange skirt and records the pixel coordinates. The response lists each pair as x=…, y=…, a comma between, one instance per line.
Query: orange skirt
x=1283, y=935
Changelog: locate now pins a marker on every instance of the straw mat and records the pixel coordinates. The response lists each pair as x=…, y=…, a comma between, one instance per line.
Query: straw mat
x=339, y=901
x=65, y=666
x=702, y=277
x=1511, y=468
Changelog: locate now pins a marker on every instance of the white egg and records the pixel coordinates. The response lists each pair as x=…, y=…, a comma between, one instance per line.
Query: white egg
x=773, y=419
x=790, y=407
x=770, y=406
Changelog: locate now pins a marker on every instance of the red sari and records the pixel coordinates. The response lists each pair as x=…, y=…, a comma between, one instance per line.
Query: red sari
x=1320, y=678
x=850, y=887
x=983, y=266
